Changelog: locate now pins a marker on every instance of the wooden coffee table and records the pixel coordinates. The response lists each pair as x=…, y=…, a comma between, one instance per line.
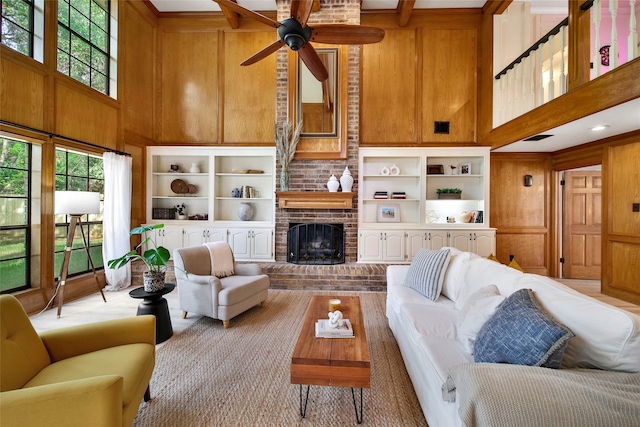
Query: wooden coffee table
x=341, y=362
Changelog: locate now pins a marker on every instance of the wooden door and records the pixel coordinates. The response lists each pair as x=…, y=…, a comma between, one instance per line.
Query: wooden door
x=582, y=225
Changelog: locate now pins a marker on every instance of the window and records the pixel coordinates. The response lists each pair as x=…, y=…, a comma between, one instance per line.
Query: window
x=17, y=25
x=84, y=40
x=79, y=172
x=23, y=26
x=19, y=188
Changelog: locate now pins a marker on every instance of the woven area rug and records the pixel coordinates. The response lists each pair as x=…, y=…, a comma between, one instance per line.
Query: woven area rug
x=209, y=376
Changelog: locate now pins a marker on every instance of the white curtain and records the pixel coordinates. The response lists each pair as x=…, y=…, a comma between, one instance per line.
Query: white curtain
x=116, y=221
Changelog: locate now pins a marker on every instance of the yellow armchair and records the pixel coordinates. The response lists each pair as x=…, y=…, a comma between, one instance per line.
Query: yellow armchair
x=95, y=374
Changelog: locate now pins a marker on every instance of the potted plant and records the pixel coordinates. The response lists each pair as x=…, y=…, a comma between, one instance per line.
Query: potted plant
x=181, y=211
x=154, y=257
x=449, y=193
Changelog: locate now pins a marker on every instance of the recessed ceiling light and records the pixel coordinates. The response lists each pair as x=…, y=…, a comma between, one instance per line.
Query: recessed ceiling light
x=599, y=128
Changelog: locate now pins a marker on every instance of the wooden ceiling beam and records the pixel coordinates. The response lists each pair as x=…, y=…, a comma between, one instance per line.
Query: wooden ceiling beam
x=233, y=18
x=405, y=7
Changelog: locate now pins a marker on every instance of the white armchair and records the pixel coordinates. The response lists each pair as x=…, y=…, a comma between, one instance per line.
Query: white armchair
x=219, y=298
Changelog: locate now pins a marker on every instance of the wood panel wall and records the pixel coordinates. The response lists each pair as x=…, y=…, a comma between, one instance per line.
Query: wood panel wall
x=419, y=74
x=522, y=214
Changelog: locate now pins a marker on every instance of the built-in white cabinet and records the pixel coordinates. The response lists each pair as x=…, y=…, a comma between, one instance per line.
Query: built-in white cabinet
x=400, y=209
x=213, y=183
x=381, y=246
x=254, y=244
x=169, y=237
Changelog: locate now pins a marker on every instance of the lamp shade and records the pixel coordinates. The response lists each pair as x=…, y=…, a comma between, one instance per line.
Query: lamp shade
x=77, y=202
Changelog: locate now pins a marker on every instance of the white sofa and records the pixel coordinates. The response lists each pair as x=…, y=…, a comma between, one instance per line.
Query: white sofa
x=606, y=338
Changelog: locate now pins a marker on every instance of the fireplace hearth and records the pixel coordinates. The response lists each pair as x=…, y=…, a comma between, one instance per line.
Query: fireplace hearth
x=315, y=243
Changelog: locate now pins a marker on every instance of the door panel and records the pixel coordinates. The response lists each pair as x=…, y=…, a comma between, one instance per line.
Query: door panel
x=582, y=225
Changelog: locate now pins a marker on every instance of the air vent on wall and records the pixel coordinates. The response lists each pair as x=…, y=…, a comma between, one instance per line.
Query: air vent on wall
x=441, y=127
x=537, y=137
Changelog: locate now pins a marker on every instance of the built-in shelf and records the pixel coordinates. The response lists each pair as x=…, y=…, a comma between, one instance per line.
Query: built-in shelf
x=315, y=200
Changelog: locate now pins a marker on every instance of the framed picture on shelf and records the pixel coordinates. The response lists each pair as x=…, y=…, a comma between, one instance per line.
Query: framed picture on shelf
x=435, y=170
x=465, y=169
x=388, y=213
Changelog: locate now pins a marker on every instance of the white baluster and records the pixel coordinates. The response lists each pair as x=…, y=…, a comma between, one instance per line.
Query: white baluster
x=551, y=88
x=563, y=77
x=523, y=87
x=632, y=40
x=509, y=95
x=596, y=14
x=541, y=87
x=532, y=82
x=502, y=115
x=613, y=50
x=516, y=91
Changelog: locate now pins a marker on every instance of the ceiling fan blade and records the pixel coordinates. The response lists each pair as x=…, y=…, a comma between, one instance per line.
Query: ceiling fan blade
x=313, y=62
x=264, y=53
x=300, y=10
x=248, y=13
x=346, y=34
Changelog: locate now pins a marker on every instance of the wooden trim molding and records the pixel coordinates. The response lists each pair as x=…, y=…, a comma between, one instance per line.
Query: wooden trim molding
x=315, y=200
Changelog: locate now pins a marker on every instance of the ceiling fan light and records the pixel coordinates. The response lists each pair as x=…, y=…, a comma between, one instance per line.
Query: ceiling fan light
x=294, y=41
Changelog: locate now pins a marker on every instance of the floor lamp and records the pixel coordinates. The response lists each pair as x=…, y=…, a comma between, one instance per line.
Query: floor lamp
x=75, y=204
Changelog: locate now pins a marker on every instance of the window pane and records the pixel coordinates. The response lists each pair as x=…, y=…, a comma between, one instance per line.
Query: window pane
x=99, y=16
x=16, y=11
x=98, y=37
x=61, y=182
x=14, y=244
x=84, y=6
x=78, y=164
x=14, y=154
x=64, y=66
x=64, y=39
x=13, y=274
x=99, y=61
x=96, y=169
x=80, y=71
x=15, y=37
x=78, y=184
x=61, y=161
x=80, y=49
x=98, y=81
x=63, y=13
x=79, y=23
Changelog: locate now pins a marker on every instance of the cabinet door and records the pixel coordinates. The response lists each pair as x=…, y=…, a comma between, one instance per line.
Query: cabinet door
x=194, y=236
x=261, y=244
x=437, y=239
x=170, y=238
x=217, y=235
x=415, y=240
x=484, y=243
x=370, y=245
x=239, y=242
x=393, y=246
x=462, y=240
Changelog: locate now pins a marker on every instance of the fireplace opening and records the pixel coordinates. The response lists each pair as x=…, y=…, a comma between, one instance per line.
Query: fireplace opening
x=315, y=243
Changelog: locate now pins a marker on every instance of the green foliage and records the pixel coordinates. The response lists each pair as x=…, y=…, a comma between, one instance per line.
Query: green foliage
x=155, y=257
x=14, y=165
x=448, y=191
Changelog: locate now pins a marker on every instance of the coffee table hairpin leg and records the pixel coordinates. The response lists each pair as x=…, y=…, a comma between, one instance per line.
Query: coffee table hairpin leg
x=358, y=417
x=303, y=408
x=303, y=411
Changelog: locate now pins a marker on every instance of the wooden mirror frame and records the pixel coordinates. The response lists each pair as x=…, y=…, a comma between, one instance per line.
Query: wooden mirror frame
x=318, y=147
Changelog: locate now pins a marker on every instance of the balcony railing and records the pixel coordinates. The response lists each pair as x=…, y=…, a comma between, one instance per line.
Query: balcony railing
x=540, y=73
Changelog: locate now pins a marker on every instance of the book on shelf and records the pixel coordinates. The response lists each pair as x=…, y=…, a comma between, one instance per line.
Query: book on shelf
x=323, y=330
x=398, y=195
x=381, y=195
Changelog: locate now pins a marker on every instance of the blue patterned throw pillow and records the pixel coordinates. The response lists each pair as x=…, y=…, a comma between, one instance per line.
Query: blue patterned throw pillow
x=522, y=333
x=426, y=273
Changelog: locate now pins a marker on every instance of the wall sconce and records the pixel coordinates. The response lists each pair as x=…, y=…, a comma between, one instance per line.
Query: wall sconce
x=528, y=180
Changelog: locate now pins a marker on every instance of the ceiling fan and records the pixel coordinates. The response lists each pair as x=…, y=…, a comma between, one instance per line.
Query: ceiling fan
x=295, y=33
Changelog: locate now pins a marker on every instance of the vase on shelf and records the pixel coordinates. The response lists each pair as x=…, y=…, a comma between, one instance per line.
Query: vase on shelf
x=245, y=211
x=333, y=184
x=194, y=168
x=182, y=216
x=284, y=179
x=346, y=180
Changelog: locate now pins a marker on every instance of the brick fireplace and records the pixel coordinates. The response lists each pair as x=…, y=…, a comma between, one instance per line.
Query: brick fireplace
x=312, y=175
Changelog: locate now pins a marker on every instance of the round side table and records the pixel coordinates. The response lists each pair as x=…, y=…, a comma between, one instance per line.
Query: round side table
x=154, y=303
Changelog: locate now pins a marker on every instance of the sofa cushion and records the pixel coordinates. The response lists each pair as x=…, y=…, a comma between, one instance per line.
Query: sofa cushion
x=426, y=272
x=606, y=336
x=420, y=320
x=455, y=274
x=481, y=307
x=522, y=333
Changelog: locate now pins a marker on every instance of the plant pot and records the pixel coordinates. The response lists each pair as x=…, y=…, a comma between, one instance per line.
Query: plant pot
x=153, y=281
x=450, y=196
